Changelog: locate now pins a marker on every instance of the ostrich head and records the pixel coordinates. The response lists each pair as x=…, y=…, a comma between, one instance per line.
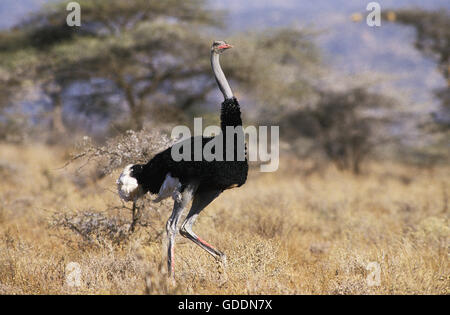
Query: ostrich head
x=127, y=183
x=219, y=46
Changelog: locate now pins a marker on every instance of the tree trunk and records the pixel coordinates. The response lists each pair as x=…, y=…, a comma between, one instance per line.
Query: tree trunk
x=57, y=119
x=136, y=108
x=136, y=116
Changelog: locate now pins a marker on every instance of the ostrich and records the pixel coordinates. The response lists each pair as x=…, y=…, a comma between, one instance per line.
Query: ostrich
x=199, y=181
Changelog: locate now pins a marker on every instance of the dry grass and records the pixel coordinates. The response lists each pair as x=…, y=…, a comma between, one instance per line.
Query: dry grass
x=283, y=232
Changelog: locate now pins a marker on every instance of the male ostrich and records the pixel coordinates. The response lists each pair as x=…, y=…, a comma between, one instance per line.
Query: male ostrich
x=200, y=181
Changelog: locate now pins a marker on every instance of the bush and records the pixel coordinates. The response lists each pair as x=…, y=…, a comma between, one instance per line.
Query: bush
x=341, y=124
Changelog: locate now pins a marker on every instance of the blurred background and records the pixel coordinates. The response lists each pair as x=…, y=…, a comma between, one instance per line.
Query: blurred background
x=364, y=118
x=339, y=89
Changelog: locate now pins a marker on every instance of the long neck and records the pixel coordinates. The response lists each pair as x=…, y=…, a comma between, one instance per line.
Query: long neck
x=220, y=76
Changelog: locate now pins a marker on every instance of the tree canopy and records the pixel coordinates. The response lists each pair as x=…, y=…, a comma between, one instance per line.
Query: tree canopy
x=141, y=61
x=433, y=40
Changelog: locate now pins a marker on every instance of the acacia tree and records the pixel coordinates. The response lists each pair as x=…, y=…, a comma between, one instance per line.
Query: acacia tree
x=343, y=125
x=138, y=61
x=433, y=40
x=162, y=69
x=279, y=65
x=16, y=73
x=127, y=50
x=124, y=50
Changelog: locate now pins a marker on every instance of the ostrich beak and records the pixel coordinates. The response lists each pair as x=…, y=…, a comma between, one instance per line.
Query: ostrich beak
x=225, y=46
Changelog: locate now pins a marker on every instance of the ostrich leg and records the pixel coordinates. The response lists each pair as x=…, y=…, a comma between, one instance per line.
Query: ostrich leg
x=201, y=200
x=171, y=226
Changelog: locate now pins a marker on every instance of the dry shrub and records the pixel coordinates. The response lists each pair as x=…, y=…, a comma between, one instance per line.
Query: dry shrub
x=106, y=229
x=282, y=232
x=93, y=227
x=275, y=225
x=130, y=148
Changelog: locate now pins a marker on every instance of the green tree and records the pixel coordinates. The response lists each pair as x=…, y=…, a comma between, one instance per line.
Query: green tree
x=128, y=50
x=16, y=72
x=433, y=40
x=137, y=61
x=344, y=126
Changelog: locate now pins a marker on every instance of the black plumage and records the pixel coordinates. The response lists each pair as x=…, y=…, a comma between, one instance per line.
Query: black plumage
x=208, y=175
